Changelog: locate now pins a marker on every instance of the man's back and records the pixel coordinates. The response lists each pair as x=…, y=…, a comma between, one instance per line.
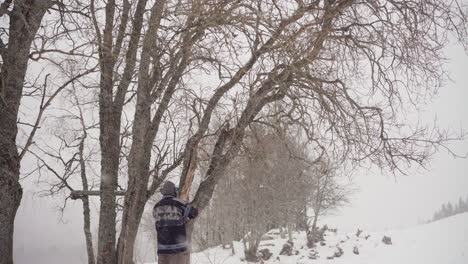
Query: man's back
x=171, y=215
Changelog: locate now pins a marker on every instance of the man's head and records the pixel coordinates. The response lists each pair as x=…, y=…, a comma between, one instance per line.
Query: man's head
x=169, y=189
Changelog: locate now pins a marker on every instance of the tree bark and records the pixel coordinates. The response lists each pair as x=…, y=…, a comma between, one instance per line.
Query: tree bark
x=136, y=196
x=87, y=230
x=85, y=199
x=110, y=113
x=110, y=152
x=110, y=149
x=145, y=129
x=109, y=138
x=25, y=19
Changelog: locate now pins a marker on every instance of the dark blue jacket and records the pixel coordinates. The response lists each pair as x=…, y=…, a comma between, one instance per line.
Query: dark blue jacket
x=171, y=215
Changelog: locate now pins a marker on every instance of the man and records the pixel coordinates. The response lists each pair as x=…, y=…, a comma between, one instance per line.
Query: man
x=171, y=215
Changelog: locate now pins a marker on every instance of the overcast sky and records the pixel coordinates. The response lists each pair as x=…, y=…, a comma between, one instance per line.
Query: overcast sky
x=382, y=201
x=387, y=202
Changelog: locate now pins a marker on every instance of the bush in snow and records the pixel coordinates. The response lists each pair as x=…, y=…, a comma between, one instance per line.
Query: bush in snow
x=251, y=255
x=358, y=233
x=356, y=250
x=387, y=240
x=339, y=252
x=287, y=248
x=265, y=254
x=313, y=254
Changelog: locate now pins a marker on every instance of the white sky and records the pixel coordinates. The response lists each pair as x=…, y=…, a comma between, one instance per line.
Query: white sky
x=388, y=202
x=382, y=202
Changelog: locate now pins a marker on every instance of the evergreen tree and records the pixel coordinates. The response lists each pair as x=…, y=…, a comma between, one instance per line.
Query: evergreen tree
x=447, y=209
x=443, y=211
x=466, y=205
x=459, y=207
x=450, y=210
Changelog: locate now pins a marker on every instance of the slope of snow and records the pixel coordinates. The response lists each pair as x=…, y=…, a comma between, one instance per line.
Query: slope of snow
x=441, y=242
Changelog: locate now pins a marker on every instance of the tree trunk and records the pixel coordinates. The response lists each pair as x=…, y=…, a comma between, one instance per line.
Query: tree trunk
x=312, y=232
x=251, y=254
x=10, y=189
x=144, y=131
x=110, y=113
x=138, y=176
x=109, y=139
x=135, y=201
x=85, y=200
x=233, y=251
x=10, y=197
x=87, y=231
x=290, y=231
x=129, y=231
x=253, y=244
x=282, y=233
x=25, y=19
x=110, y=151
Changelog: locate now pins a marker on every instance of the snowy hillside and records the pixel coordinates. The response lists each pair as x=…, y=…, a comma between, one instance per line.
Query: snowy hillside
x=441, y=242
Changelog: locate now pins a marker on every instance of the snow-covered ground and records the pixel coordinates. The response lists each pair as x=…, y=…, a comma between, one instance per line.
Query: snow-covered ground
x=441, y=242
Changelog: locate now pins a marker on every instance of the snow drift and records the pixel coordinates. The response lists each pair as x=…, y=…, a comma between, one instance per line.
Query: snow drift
x=441, y=242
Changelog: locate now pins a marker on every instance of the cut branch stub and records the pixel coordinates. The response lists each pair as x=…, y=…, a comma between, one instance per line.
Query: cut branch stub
x=75, y=195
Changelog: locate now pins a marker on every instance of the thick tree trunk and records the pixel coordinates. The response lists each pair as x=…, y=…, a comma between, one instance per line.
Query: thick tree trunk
x=25, y=19
x=145, y=129
x=109, y=139
x=129, y=231
x=135, y=201
x=10, y=189
x=110, y=151
x=138, y=177
x=143, y=137
x=109, y=116
x=10, y=198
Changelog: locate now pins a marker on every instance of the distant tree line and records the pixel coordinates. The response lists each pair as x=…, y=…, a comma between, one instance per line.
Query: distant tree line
x=449, y=209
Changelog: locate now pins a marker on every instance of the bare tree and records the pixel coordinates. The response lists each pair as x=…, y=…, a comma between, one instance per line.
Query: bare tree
x=66, y=159
x=13, y=70
x=274, y=184
x=343, y=70
x=117, y=71
x=319, y=70
x=269, y=184
x=310, y=55
x=21, y=40
x=327, y=195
